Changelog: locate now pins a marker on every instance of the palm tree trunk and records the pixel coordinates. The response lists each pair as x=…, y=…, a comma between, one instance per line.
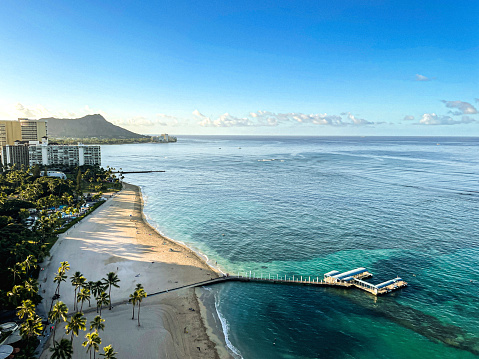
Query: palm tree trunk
x=109, y=295
x=139, y=306
x=133, y=317
x=81, y=307
x=100, y=309
x=75, y=299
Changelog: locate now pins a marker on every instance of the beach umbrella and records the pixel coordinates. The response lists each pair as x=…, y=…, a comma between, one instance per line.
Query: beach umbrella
x=5, y=351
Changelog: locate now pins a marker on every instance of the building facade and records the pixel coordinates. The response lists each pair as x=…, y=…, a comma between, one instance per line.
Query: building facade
x=15, y=155
x=69, y=155
x=22, y=130
x=25, y=143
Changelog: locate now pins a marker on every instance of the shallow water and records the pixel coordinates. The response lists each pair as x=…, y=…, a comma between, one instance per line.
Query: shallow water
x=305, y=206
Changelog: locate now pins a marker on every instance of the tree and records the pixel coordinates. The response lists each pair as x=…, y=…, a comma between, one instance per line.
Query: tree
x=90, y=285
x=78, y=189
x=133, y=300
x=102, y=299
x=31, y=290
x=140, y=295
x=75, y=324
x=97, y=324
x=17, y=270
x=62, y=349
x=27, y=309
x=82, y=296
x=28, y=263
x=31, y=327
x=36, y=171
x=111, y=280
x=61, y=276
x=97, y=288
x=58, y=313
x=93, y=340
x=109, y=352
x=15, y=295
x=77, y=280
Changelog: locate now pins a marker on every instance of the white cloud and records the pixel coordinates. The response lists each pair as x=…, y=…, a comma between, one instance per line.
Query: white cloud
x=266, y=118
x=463, y=107
x=422, y=78
x=225, y=120
x=433, y=119
x=359, y=121
x=408, y=118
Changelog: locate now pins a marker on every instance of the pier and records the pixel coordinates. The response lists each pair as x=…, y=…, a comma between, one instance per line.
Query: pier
x=350, y=279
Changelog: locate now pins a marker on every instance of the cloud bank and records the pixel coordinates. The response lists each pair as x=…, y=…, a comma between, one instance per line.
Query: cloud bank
x=433, y=119
x=267, y=118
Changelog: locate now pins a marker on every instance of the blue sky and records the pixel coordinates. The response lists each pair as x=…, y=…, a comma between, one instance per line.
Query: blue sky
x=246, y=67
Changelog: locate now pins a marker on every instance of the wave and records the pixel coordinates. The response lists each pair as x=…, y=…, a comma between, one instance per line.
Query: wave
x=225, y=326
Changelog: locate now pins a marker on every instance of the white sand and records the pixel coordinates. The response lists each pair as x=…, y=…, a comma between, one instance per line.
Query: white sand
x=116, y=239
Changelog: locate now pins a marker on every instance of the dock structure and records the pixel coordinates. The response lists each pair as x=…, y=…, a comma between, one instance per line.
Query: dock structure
x=350, y=279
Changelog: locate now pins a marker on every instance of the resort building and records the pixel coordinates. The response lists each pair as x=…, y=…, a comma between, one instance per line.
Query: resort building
x=16, y=154
x=70, y=155
x=22, y=130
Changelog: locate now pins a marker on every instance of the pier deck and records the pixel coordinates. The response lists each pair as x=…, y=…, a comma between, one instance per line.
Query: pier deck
x=358, y=283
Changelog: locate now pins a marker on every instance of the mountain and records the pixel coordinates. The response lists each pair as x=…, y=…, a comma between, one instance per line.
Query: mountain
x=89, y=126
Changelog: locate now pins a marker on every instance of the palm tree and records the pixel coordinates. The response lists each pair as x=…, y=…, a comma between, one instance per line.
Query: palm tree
x=77, y=322
x=93, y=340
x=64, y=267
x=27, y=309
x=82, y=296
x=15, y=295
x=17, y=270
x=90, y=285
x=102, y=299
x=77, y=280
x=133, y=300
x=31, y=287
x=111, y=280
x=97, y=288
x=59, y=277
x=31, y=327
x=141, y=294
x=62, y=349
x=109, y=352
x=58, y=313
x=29, y=262
x=97, y=324
x=139, y=286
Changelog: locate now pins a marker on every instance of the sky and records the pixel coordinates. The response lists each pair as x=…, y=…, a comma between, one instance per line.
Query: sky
x=360, y=68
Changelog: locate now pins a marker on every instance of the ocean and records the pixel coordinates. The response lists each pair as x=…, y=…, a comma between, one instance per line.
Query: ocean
x=303, y=206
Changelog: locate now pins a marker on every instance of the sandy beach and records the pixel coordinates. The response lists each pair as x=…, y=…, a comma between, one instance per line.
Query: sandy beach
x=116, y=238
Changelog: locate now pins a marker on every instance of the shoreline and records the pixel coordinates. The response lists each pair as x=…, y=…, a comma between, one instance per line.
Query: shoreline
x=117, y=237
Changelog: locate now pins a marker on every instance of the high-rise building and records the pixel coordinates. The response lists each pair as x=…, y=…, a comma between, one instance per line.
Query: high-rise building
x=22, y=130
x=16, y=154
x=70, y=155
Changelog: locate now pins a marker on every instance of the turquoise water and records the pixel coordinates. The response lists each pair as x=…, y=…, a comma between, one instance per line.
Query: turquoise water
x=305, y=206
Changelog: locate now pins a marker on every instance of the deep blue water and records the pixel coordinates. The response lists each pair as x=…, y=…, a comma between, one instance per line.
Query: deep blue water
x=305, y=206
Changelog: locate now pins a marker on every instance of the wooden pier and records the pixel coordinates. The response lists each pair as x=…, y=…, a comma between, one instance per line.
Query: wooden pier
x=351, y=279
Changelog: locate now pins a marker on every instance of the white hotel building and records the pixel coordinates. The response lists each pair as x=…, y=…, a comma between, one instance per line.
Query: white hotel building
x=71, y=155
